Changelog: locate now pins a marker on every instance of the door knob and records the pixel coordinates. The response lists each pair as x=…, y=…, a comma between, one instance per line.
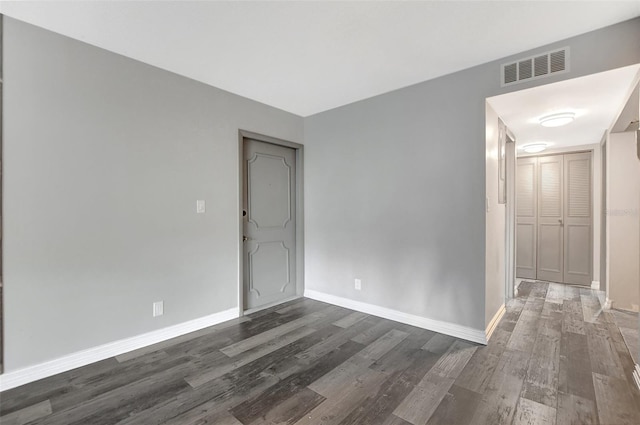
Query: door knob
x=560, y=221
x=244, y=238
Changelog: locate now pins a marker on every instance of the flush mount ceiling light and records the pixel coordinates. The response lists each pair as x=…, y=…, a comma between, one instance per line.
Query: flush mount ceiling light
x=535, y=147
x=557, y=120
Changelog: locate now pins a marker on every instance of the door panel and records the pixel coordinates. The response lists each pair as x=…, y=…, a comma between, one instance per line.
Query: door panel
x=269, y=187
x=577, y=219
x=526, y=213
x=270, y=228
x=269, y=269
x=577, y=258
x=550, y=255
x=526, y=255
x=550, y=218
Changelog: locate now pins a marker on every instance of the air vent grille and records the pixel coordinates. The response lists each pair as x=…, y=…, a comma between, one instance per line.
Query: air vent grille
x=540, y=66
x=511, y=73
x=558, y=61
x=524, y=69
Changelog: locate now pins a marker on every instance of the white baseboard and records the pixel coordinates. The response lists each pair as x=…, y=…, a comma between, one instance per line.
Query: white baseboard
x=516, y=287
x=636, y=375
x=82, y=358
x=595, y=285
x=458, y=331
x=494, y=322
x=607, y=304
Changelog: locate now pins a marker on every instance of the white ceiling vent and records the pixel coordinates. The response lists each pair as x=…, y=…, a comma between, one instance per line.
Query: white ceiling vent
x=535, y=67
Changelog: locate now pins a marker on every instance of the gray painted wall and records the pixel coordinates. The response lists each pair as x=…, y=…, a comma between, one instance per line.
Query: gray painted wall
x=105, y=158
x=395, y=186
x=623, y=191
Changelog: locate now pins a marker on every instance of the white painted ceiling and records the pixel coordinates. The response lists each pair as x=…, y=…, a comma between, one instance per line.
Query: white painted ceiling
x=307, y=57
x=596, y=99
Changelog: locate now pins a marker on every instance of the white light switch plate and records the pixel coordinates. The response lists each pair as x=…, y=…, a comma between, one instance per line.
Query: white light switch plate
x=158, y=308
x=358, y=284
x=200, y=206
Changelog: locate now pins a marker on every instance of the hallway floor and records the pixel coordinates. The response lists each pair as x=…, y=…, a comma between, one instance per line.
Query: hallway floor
x=555, y=358
x=628, y=323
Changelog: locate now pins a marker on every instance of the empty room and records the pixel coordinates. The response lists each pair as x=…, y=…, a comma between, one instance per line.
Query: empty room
x=320, y=212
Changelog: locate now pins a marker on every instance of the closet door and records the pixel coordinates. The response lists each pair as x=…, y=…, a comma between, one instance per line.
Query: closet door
x=550, y=218
x=526, y=212
x=577, y=219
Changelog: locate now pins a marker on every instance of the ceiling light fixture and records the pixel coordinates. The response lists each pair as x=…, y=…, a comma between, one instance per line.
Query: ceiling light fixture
x=534, y=147
x=557, y=120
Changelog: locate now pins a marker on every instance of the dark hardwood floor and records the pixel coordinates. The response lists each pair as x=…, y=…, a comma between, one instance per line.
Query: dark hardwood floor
x=555, y=358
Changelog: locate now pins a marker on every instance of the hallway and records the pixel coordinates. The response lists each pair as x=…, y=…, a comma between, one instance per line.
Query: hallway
x=555, y=358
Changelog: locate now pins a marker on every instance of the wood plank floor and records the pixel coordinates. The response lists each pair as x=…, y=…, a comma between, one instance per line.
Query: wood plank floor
x=555, y=358
x=629, y=323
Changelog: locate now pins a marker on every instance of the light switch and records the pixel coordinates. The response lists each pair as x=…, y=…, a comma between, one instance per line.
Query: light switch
x=200, y=206
x=158, y=308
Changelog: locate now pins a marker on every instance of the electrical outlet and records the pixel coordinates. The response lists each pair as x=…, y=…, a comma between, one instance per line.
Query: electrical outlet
x=158, y=308
x=358, y=284
x=201, y=206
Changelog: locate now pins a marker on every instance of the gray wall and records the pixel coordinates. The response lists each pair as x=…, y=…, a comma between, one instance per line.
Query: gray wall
x=395, y=186
x=105, y=158
x=623, y=192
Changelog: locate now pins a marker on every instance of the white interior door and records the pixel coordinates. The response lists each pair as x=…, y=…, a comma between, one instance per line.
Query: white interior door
x=526, y=213
x=550, y=219
x=577, y=219
x=270, y=223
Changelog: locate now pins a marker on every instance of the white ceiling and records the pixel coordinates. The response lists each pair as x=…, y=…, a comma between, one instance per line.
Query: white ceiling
x=307, y=57
x=596, y=99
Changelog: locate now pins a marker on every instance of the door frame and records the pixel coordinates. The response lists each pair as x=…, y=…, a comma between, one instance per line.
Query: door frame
x=604, y=258
x=299, y=179
x=510, y=219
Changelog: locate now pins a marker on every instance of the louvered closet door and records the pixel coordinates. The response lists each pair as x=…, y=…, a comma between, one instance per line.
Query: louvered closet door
x=577, y=218
x=550, y=219
x=526, y=218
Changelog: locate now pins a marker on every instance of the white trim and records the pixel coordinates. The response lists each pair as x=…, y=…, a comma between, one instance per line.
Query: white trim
x=595, y=285
x=458, y=331
x=519, y=280
x=510, y=218
x=636, y=375
x=607, y=304
x=494, y=322
x=81, y=358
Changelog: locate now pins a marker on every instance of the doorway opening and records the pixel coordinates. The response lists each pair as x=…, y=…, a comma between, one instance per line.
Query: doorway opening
x=271, y=227
x=566, y=183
